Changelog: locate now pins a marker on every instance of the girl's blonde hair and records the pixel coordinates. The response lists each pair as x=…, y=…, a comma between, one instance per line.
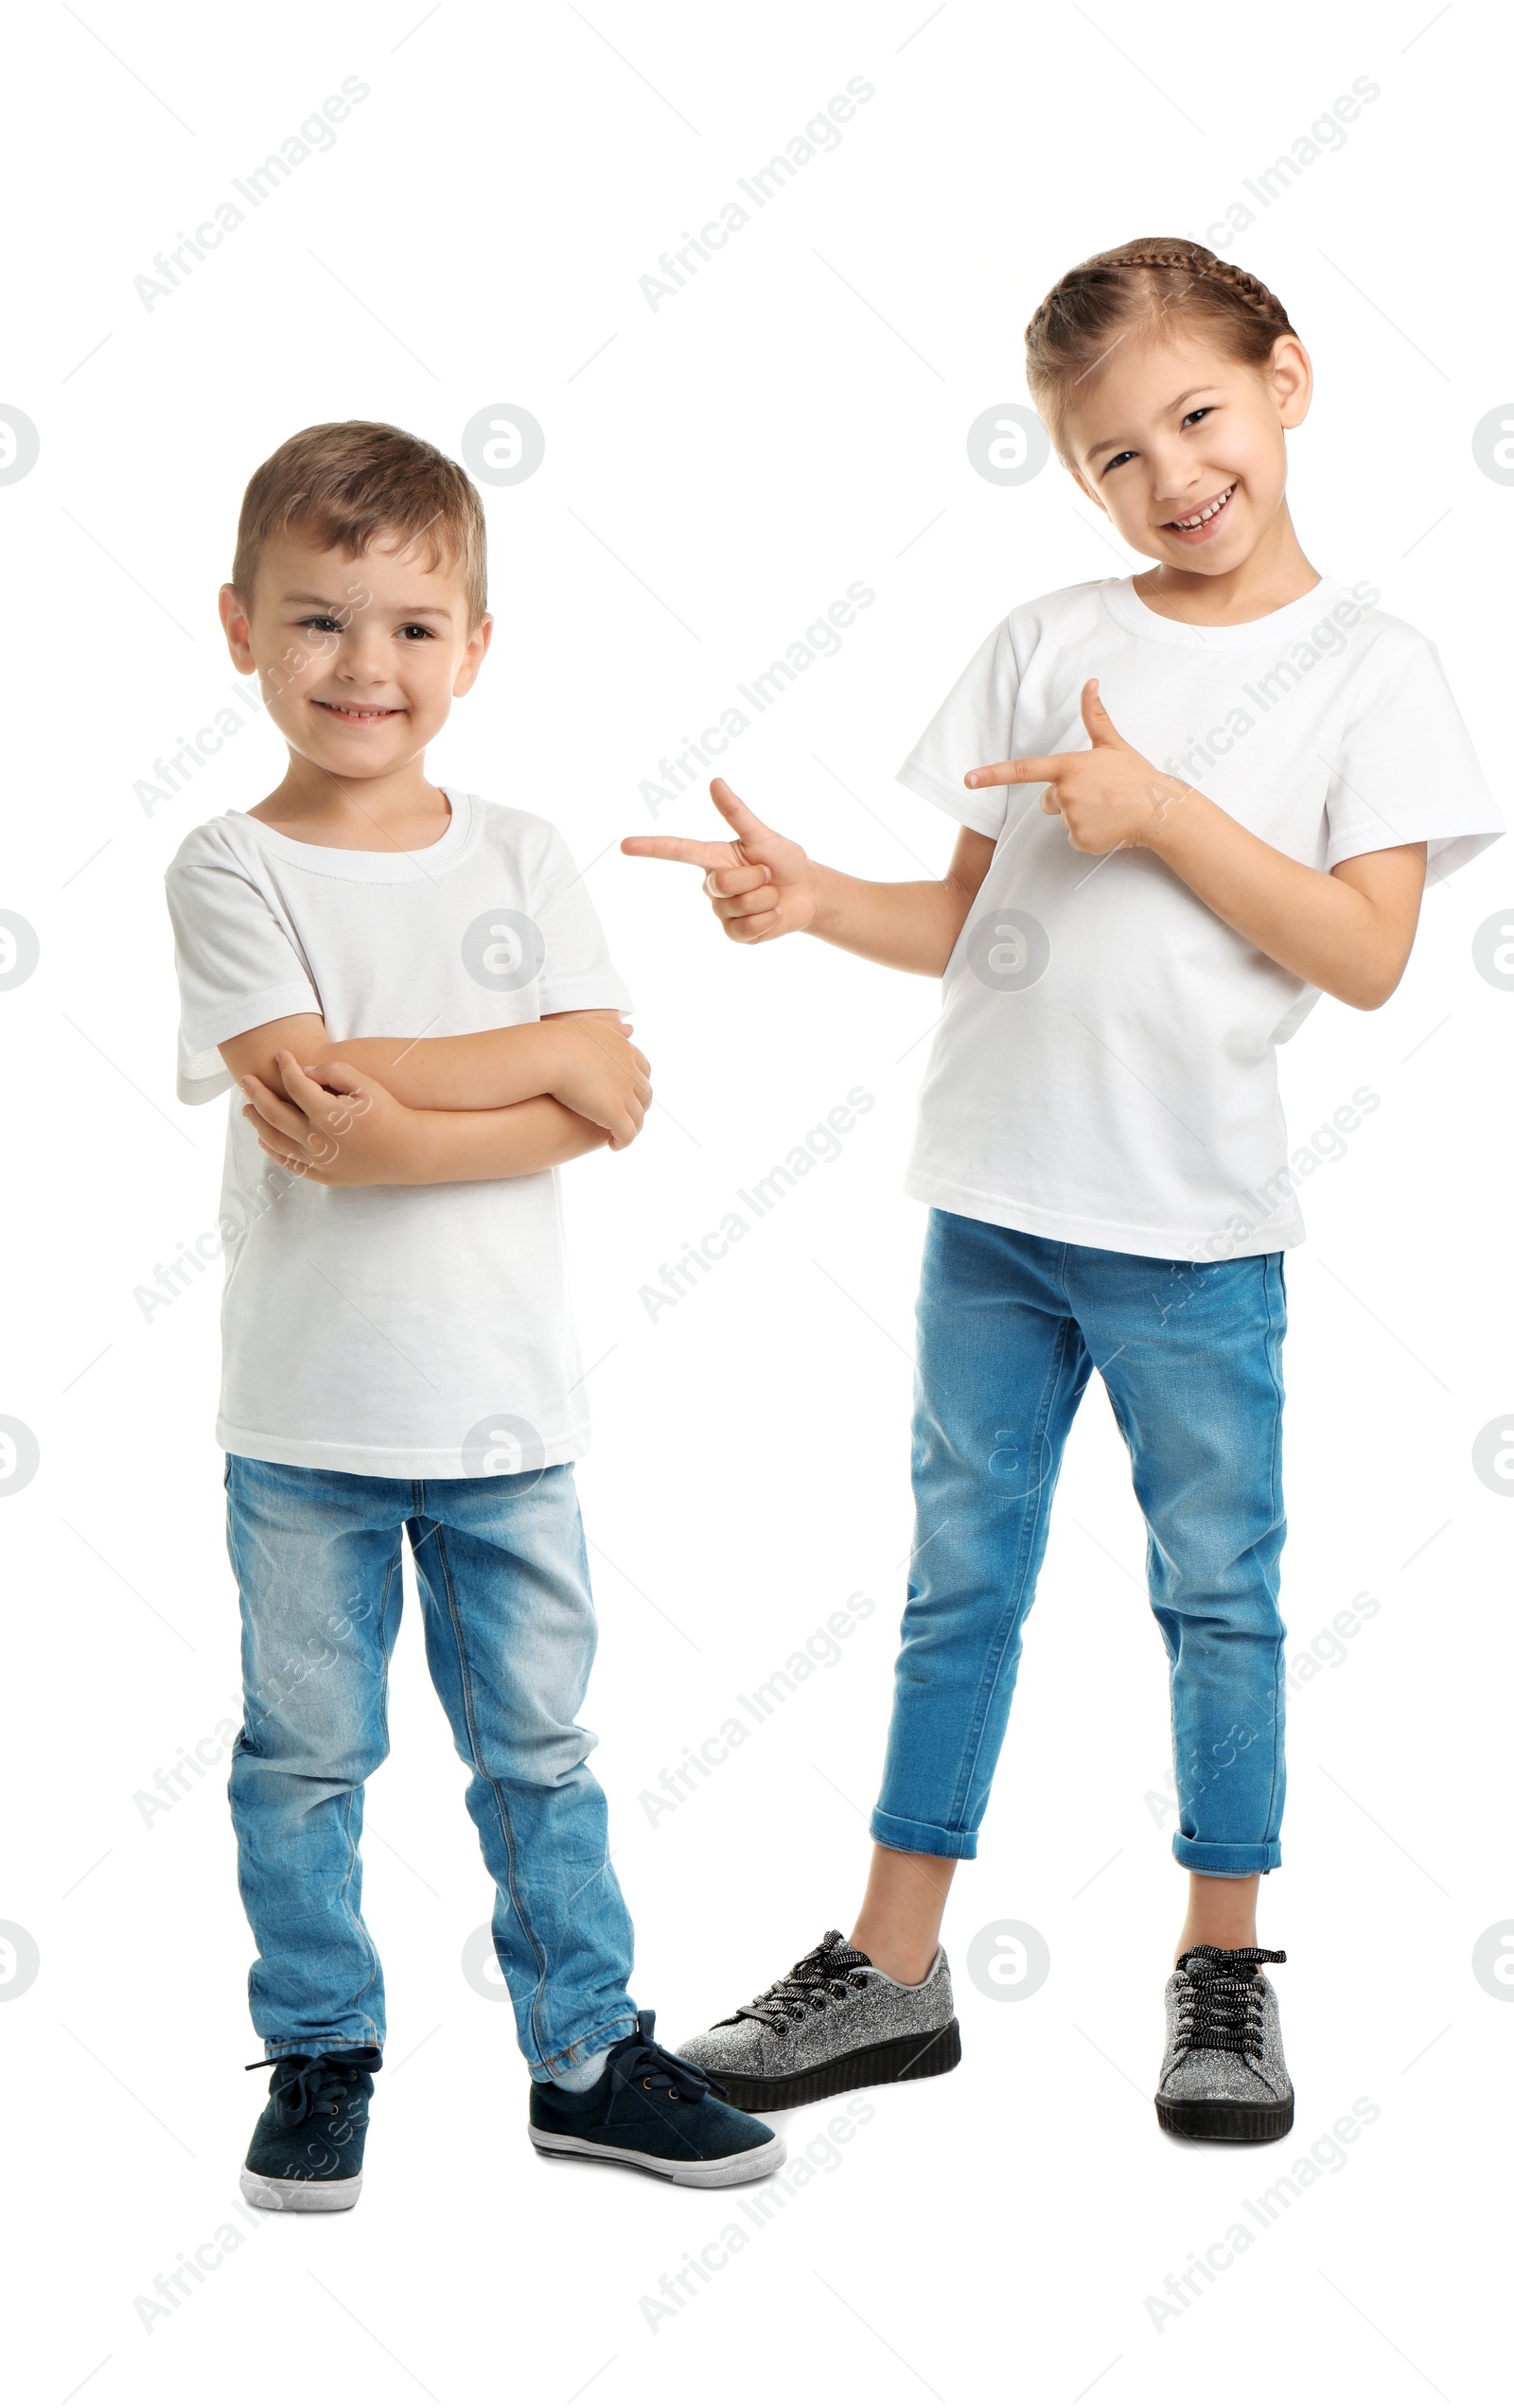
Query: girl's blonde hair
x=1135, y=289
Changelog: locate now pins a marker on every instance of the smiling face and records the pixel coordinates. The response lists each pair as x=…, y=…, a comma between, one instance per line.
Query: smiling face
x=359, y=660
x=1182, y=446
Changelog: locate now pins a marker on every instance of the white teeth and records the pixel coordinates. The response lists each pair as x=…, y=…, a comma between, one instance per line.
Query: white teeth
x=1207, y=513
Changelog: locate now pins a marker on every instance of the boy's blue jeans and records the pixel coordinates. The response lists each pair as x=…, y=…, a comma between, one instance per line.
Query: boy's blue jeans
x=504, y=1584
x=1010, y=1327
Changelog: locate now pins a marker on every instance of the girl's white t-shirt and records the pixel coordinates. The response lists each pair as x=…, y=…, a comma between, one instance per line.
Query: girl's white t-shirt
x=413, y=1332
x=1104, y=1068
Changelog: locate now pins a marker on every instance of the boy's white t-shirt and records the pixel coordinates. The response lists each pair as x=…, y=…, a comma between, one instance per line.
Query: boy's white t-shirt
x=1104, y=1068
x=412, y=1332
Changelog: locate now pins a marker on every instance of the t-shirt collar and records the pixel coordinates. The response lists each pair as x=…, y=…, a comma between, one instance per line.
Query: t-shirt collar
x=382, y=867
x=1295, y=619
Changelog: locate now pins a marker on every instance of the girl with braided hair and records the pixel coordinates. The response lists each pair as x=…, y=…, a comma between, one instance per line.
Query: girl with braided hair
x=1189, y=801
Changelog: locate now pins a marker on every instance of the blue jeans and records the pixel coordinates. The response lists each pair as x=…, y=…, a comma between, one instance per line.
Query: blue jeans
x=503, y=1585
x=1010, y=1327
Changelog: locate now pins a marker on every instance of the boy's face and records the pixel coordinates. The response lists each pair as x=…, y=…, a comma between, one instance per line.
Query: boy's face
x=1169, y=427
x=359, y=660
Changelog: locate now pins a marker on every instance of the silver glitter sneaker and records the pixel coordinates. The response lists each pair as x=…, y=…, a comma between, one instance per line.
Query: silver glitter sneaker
x=834, y=2023
x=1224, y=2076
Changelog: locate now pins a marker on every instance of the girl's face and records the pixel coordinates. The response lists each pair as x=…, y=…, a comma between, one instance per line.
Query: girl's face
x=1182, y=446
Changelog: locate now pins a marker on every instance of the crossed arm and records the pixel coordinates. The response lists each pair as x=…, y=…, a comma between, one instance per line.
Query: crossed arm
x=420, y=1112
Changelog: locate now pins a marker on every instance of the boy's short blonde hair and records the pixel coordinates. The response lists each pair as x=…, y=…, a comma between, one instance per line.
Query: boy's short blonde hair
x=349, y=484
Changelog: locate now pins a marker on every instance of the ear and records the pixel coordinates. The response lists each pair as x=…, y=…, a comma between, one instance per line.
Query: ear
x=233, y=620
x=472, y=660
x=1292, y=378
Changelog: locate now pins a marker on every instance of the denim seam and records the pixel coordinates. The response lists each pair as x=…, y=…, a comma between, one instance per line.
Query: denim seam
x=1029, y=1523
x=353, y=1914
x=352, y=1795
x=1275, y=1337
x=501, y=1810
x=383, y=1648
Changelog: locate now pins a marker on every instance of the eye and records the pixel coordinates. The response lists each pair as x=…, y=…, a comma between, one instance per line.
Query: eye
x=1205, y=410
x=323, y=622
x=1117, y=459
x=417, y=630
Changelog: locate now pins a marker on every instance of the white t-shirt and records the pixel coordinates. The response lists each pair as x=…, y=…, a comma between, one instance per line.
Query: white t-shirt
x=413, y=1332
x=1105, y=1067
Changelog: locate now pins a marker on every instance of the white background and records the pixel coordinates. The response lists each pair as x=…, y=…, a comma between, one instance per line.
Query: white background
x=717, y=472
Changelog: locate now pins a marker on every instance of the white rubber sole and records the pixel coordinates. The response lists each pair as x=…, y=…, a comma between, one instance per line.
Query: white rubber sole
x=301, y=2198
x=705, y=2173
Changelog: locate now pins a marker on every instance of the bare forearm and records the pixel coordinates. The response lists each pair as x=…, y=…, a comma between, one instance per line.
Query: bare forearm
x=484, y=1072
x=510, y=1143
x=910, y=926
x=1319, y=926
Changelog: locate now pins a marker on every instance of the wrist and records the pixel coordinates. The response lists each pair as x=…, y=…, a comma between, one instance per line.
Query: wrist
x=1171, y=815
x=826, y=918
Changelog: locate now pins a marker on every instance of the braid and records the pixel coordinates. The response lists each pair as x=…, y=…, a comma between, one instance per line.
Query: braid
x=1154, y=276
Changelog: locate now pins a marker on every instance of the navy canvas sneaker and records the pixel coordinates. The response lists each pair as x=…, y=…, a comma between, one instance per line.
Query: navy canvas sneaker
x=653, y=2111
x=306, y=2151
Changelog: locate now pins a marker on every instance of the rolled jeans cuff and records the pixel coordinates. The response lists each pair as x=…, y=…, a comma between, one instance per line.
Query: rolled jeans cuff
x=919, y=1838
x=1210, y=1855
x=619, y=2027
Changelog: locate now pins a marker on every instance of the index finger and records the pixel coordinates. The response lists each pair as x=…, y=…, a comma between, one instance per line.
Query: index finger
x=1040, y=770
x=703, y=855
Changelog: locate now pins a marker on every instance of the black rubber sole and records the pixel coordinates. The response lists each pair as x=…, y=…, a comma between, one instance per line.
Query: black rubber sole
x=908, y=2060
x=1224, y=2118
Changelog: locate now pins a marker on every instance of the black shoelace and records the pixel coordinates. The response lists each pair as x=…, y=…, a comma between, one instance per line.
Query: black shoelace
x=829, y=1972
x=313, y=2085
x=644, y=2062
x=1221, y=2003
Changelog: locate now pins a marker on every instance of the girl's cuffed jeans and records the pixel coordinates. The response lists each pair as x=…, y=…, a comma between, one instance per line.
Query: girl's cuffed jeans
x=1010, y=1327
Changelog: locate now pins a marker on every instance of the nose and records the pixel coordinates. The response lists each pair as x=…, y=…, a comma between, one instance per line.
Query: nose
x=362, y=658
x=1175, y=479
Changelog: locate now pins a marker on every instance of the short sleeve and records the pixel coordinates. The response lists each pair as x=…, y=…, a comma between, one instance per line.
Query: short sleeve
x=577, y=972
x=238, y=963
x=1405, y=771
x=975, y=725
